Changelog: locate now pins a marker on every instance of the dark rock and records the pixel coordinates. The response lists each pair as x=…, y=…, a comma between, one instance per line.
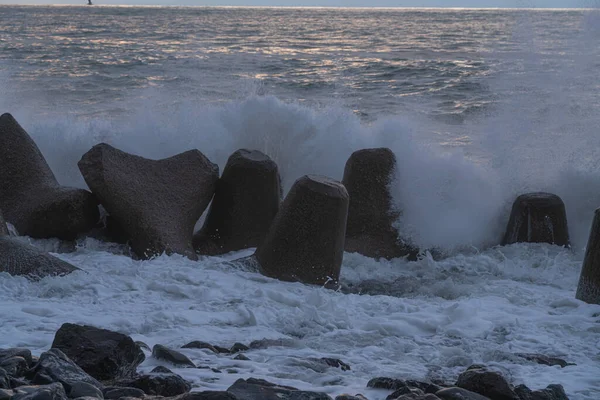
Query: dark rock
x=417, y=396
x=55, y=366
x=371, y=215
x=16, y=351
x=538, y=218
x=259, y=389
x=161, y=370
x=208, y=395
x=200, y=345
x=543, y=360
x=20, y=258
x=404, y=391
x=83, y=389
x=266, y=343
x=332, y=362
x=167, y=385
x=246, y=200
x=15, y=366
x=221, y=350
x=238, y=347
x=161, y=352
x=117, y=393
x=552, y=392
x=588, y=289
x=455, y=393
x=16, y=382
x=6, y=394
x=241, y=357
x=397, y=384
x=306, y=240
x=53, y=391
x=487, y=383
x=157, y=202
x=31, y=198
x=103, y=354
x=350, y=397
x=143, y=345
x=4, y=379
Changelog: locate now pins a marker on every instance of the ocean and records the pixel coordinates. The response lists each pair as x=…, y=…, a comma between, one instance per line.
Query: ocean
x=478, y=106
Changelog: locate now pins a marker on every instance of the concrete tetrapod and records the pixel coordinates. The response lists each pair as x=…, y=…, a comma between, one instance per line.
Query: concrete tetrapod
x=538, y=218
x=588, y=289
x=247, y=198
x=306, y=240
x=19, y=258
x=30, y=196
x=155, y=202
x=370, y=232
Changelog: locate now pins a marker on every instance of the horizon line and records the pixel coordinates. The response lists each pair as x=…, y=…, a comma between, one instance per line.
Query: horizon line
x=308, y=7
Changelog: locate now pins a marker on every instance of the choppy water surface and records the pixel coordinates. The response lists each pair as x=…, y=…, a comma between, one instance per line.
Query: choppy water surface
x=478, y=105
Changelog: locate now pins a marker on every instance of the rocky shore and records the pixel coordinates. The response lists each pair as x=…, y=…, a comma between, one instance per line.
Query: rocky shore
x=87, y=363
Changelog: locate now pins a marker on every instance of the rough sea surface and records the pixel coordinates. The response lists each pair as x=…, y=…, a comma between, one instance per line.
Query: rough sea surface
x=478, y=105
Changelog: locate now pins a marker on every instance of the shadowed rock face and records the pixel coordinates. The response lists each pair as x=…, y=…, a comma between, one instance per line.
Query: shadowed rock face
x=19, y=258
x=538, y=218
x=156, y=202
x=31, y=198
x=246, y=200
x=306, y=240
x=370, y=232
x=588, y=289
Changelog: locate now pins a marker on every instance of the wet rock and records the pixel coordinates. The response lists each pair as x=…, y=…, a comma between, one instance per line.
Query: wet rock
x=161, y=370
x=417, y=396
x=6, y=394
x=221, y=350
x=117, y=393
x=552, y=392
x=161, y=352
x=588, y=289
x=247, y=198
x=53, y=391
x=55, y=366
x=538, y=218
x=83, y=389
x=200, y=345
x=20, y=258
x=167, y=385
x=156, y=202
x=238, y=347
x=399, y=384
x=543, y=360
x=455, y=393
x=4, y=379
x=14, y=366
x=332, y=362
x=487, y=383
x=241, y=357
x=31, y=199
x=208, y=395
x=266, y=343
x=306, y=240
x=16, y=352
x=350, y=397
x=371, y=215
x=405, y=392
x=103, y=354
x=259, y=389
x=143, y=345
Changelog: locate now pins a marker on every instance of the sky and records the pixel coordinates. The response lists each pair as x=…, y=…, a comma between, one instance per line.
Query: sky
x=335, y=3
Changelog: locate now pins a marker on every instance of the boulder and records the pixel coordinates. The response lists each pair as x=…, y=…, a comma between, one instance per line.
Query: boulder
x=156, y=202
x=197, y=344
x=208, y=395
x=247, y=198
x=238, y=347
x=84, y=389
x=399, y=384
x=259, y=389
x=55, y=366
x=486, y=383
x=306, y=240
x=371, y=215
x=538, y=218
x=117, y=393
x=158, y=384
x=4, y=379
x=241, y=357
x=161, y=352
x=543, y=360
x=588, y=289
x=31, y=198
x=16, y=351
x=455, y=393
x=20, y=258
x=14, y=366
x=6, y=394
x=103, y=354
x=552, y=392
x=53, y=391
